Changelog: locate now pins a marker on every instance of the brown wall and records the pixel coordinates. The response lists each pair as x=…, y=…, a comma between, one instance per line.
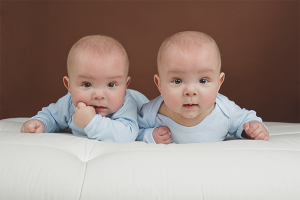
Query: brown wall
x=259, y=43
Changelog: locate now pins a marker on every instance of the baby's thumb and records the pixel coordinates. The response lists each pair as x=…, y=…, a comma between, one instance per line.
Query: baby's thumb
x=246, y=126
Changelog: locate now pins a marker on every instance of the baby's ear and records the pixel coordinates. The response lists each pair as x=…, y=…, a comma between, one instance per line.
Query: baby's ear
x=66, y=81
x=157, y=82
x=128, y=81
x=222, y=77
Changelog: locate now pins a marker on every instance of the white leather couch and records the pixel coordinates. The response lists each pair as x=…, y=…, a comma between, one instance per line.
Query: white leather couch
x=63, y=166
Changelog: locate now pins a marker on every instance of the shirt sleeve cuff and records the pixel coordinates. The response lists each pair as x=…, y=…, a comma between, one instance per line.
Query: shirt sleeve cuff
x=148, y=137
x=90, y=125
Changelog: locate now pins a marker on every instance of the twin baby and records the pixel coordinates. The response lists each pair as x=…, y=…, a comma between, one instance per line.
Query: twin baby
x=189, y=109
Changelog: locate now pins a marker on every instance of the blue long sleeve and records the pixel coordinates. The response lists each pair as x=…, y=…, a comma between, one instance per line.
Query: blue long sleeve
x=57, y=115
x=225, y=118
x=238, y=116
x=120, y=126
x=146, y=120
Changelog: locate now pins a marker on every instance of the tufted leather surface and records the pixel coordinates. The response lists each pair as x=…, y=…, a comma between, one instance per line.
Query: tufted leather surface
x=64, y=166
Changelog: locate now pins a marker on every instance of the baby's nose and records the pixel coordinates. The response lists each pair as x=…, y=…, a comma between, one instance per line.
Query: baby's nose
x=190, y=91
x=98, y=94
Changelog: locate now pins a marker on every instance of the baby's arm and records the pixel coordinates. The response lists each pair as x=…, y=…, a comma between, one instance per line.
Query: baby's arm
x=121, y=127
x=256, y=130
x=242, y=119
x=54, y=117
x=33, y=126
x=149, y=132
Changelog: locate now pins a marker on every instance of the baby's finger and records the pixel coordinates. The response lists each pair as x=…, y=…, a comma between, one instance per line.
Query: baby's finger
x=165, y=137
x=168, y=141
x=40, y=129
x=246, y=126
x=261, y=136
x=81, y=104
x=255, y=133
x=24, y=127
x=31, y=127
x=266, y=138
x=162, y=131
x=251, y=129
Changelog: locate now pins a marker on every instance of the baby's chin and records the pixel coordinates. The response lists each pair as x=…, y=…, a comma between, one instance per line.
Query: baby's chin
x=190, y=116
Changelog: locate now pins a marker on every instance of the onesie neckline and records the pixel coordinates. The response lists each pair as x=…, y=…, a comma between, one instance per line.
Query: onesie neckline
x=182, y=128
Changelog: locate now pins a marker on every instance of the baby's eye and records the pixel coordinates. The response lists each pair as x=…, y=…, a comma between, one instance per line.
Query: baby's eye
x=111, y=85
x=177, y=81
x=203, y=81
x=87, y=85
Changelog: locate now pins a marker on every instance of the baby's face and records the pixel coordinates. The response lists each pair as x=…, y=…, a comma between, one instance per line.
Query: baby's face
x=99, y=82
x=189, y=81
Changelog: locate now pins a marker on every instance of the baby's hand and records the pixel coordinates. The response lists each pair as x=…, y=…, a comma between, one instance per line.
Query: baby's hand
x=256, y=130
x=33, y=126
x=83, y=115
x=162, y=135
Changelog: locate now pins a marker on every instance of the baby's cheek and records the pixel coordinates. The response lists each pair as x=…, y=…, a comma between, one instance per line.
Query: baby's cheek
x=79, y=97
x=210, y=98
x=172, y=101
x=116, y=102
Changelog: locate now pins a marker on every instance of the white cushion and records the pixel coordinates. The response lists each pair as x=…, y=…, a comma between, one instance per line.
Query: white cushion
x=64, y=166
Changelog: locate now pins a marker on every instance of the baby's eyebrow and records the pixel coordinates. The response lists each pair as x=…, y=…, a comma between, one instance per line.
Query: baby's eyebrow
x=84, y=77
x=206, y=70
x=183, y=71
x=115, y=77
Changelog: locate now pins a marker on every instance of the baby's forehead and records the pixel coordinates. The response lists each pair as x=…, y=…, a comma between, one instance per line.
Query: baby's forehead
x=84, y=55
x=192, y=44
x=195, y=50
x=173, y=53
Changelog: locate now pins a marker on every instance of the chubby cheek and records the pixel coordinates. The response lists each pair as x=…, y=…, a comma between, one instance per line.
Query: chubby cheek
x=208, y=98
x=172, y=98
x=116, y=101
x=80, y=96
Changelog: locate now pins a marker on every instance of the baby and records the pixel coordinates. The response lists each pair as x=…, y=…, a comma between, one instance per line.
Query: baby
x=190, y=109
x=97, y=105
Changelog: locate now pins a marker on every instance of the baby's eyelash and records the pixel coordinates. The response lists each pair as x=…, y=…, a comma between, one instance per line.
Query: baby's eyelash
x=111, y=85
x=177, y=81
x=86, y=85
x=203, y=81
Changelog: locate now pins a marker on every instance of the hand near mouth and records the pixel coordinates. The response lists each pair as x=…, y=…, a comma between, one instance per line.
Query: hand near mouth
x=83, y=115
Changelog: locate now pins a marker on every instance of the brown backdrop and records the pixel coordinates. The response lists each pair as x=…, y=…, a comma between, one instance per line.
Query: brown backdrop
x=259, y=43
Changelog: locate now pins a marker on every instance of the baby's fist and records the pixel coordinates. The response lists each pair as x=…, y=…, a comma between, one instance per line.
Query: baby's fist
x=33, y=126
x=83, y=115
x=162, y=135
x=256, y=130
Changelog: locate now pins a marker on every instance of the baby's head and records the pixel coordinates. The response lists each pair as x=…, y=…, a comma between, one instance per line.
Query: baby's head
x=189, y=75
x=98, y=73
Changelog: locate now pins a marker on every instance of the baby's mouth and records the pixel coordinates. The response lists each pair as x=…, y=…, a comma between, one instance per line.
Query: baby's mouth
x=190, y=106
x=100, y=108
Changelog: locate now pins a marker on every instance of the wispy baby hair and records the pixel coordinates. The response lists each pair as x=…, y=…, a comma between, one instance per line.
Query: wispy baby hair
x=97, y=45
x=185, y=41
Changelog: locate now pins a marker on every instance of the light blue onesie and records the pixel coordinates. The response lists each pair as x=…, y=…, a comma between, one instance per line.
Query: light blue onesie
x=225, y=118
x=120, y=126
